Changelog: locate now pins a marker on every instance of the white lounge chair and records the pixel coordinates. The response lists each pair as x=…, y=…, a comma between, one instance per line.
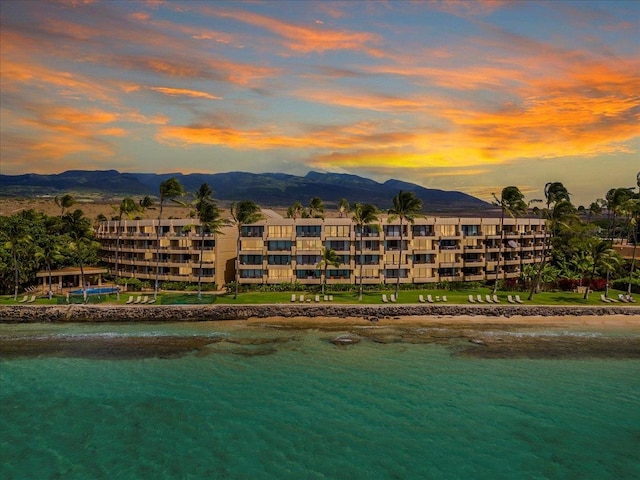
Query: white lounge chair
x=496, y=299
x=471, y=299
x=24, y=299
x=488, y=299
x=317, y=299
x=444, y=298
x=479, y=298
x=293, y=297
x=430, y=299
x=604, y=299
x=331, y=298
x=301, y=298
x=153, y=300
x=130, y=299
x=510, y=299
x=384, y=298
x=517, y=298
x=326, y=298
x=622, y=298
x=145, y=299
x=32, y=299
x=139, y=299
x=392, y=298
x=421, y=298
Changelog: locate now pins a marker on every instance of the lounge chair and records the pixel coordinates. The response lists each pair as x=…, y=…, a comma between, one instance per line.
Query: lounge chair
x=471, y=299
x=444, y=298
x=24, y=299
x=139, y=299
x=145, y=299
x=317, y=299
x=510, y=299
x=622, y=298
x=331, y=298
x=384, y=298
x=604, y=299
x=301, y=298
x=488, y=299
x=496, y=299
x=430, y=299
x=153, y=300
x=293, y=297
x=421, y=298
x=630, y=299
x=479, y=298
x=326, y=298
x=130, y=300
x=32, y=299
x=517, y=298
x=392, y=298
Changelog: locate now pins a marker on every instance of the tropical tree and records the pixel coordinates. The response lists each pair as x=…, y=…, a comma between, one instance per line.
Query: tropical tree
x=406, y=206
x=632, y=208
x=50, y=249
x=64, y=202
x=210, y=221
x=126, y=208
x=296, y=210
x=316, y=207
x=328, y=258
x=145, y=203
x=559, y=207
x=511, y=202
x=602, y=257
x=343, y=207
x=616, y=198
x=82, y=246
x=16, y=239
x=170, y=189
x=243, y=213
x=364, y=214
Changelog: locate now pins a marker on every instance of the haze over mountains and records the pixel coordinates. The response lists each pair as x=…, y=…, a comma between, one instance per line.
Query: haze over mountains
x=266, y=189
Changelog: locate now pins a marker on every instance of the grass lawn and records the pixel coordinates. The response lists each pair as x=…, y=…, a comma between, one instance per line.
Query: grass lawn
x=405, y=297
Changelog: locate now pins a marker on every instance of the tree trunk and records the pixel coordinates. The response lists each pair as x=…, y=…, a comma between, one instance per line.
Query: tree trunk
x=200, y=269
x=593, y=273
x=399, y=260
x=361, y=260
x=536, y=283
x=235, y=294
x=117, y=252
x=495, y=285
x=155, y=288
x=15, y=266
x=633, y=260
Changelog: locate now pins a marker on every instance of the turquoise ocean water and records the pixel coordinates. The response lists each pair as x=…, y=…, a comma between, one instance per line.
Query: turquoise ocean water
x=306, y=409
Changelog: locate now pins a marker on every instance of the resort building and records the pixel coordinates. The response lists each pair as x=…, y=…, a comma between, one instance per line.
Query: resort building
x=278, y=250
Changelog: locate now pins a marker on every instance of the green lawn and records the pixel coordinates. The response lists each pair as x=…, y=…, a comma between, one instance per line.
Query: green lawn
x=405, y=297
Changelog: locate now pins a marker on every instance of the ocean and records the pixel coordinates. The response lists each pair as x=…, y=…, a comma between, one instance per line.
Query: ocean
x=273, y=403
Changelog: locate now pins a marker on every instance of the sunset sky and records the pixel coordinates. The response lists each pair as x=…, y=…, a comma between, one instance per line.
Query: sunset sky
x=468, y=96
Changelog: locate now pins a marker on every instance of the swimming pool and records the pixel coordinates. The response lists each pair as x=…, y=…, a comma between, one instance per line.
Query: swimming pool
x=95, y=291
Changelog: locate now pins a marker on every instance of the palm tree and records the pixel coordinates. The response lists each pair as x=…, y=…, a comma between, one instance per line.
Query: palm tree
x=329, y=257
x=296, y=210
x=511, y=202
x=632, y=208
x=126, y=208
x=602, y=256
x=363, y=214
x=15, y=236
x=558, y=206
x=169, y=190
x=50, y=251
x=65, y=202
x=145, y=203
x=343, y=207
x=616, y=198
x=316, y=207
x=209, y=216
x=406, y=206
x=243, y=213
x=79, y=229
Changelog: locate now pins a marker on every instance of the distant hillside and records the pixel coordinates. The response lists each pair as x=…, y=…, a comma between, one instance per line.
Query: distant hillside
x=266, y=189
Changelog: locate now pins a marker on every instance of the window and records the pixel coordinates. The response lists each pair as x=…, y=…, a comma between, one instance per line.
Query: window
x=392, y=230
x=251, y=231
x=423, y=258
x=393, y=273
x=448, y=272
x=251, y=273
x=367, y=231
x=250, y=259
x=368, y=259
x=337, y=230
x=307, y=274
x=308, y=230
x=280, y=273
x=279, y=260
x=369, y=245
x=447, y=230
x=308, y=259
x=279, y=245
x=251, y=244
x=422, y=230
x=470, y=230
x=339, y=273
x=338, y=245
x=279, y=231
x=311, y=244
x=449, y=245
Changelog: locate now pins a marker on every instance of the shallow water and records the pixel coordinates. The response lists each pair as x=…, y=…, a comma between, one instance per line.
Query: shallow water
x=294, y=405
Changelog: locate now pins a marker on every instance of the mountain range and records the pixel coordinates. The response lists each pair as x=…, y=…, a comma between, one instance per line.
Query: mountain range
x=266, y=189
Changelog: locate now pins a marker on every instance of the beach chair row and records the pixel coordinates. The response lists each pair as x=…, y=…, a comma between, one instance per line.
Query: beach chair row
x=621, y=298
x=26, y=299
x=494, y=299
x=140, y=300
x=308, y=299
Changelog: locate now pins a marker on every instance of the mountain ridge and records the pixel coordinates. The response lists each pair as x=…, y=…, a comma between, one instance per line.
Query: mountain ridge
x=266, y=189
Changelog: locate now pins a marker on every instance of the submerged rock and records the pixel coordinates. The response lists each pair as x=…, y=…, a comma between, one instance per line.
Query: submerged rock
x=345, y=340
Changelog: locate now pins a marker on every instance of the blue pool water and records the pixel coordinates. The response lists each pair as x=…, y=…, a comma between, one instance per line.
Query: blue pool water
x=306, y=409
x=95, y=291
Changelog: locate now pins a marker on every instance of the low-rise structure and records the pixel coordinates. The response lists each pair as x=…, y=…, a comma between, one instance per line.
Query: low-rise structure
x=279, y=250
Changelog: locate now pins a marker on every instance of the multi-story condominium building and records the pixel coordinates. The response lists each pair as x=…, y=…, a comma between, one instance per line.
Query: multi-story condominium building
x=277, y=250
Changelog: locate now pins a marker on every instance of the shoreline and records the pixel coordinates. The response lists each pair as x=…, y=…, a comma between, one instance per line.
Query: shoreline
x=319, y=314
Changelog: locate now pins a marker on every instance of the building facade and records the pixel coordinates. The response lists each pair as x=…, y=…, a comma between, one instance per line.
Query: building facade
x=284, y=250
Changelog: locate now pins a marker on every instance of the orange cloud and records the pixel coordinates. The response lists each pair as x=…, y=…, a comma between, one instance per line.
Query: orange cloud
x=303, y=40
x=182, y=92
